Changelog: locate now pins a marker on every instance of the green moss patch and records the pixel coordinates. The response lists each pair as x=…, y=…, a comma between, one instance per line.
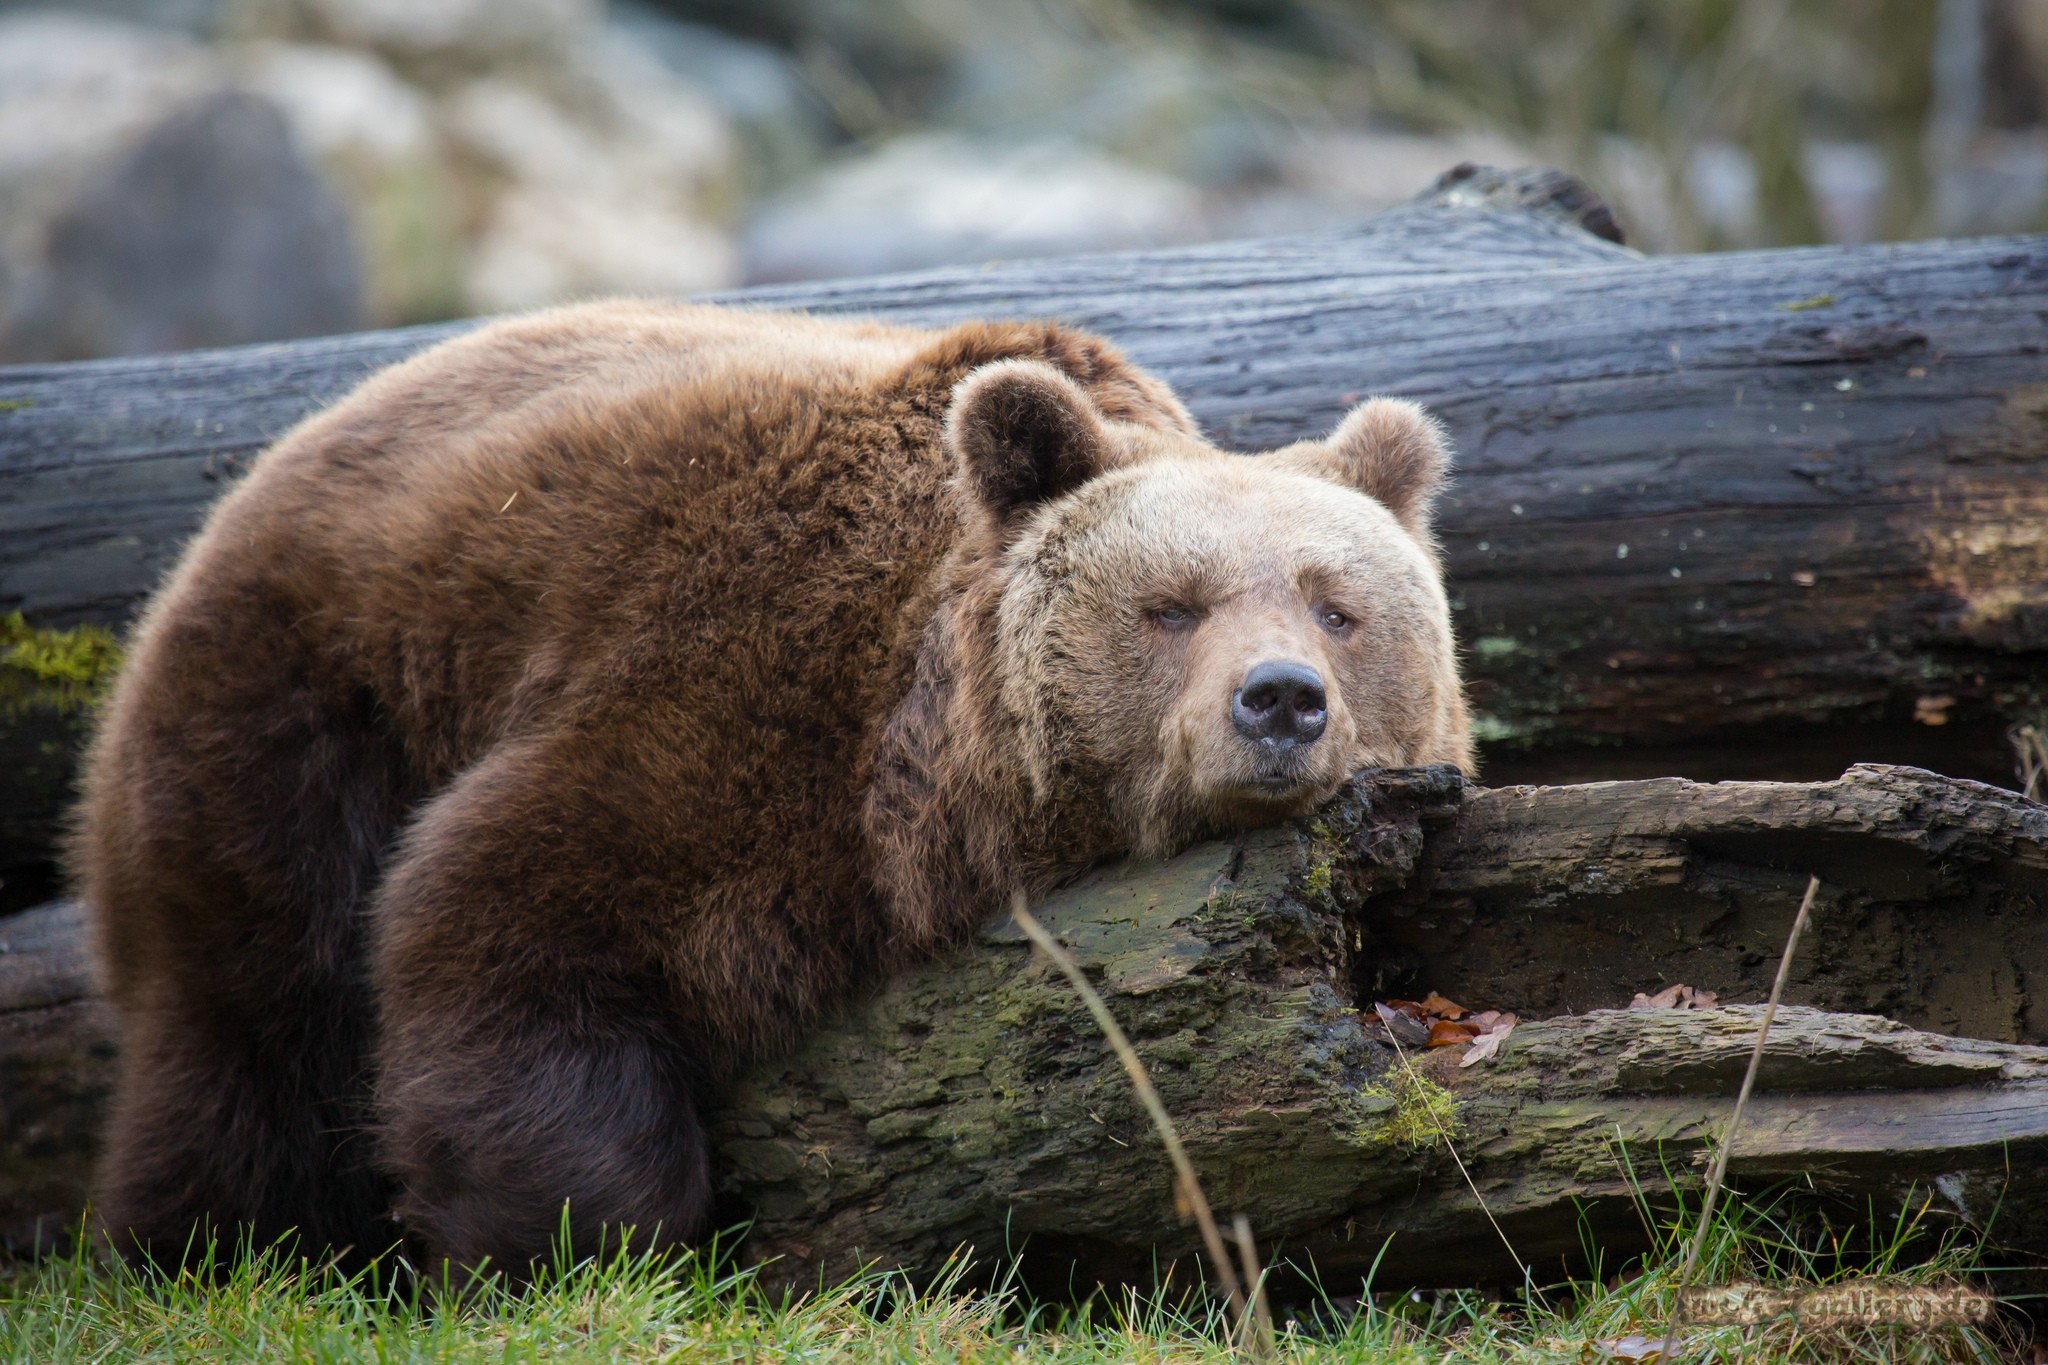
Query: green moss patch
x=1424, y=1113
x=1322, y=864
x=60, y=670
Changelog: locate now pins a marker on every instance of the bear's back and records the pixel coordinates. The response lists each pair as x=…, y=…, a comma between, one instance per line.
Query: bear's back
x=620, y=496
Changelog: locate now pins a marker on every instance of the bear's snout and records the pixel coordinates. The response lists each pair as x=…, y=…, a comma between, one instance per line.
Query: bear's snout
x=1280, y=705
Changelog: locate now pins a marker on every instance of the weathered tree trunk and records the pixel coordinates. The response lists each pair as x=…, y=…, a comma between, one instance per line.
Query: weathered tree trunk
x=973, y=1102
x=56, y=1067
x=1749, y=515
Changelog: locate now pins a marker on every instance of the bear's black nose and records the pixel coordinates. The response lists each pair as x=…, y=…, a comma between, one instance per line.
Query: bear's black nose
x=1281, y=703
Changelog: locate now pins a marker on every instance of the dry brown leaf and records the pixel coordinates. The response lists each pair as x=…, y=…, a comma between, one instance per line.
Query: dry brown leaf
x=1445, y=1033
x=1431, y=1006
x=1933, y=710
x=1677, y=996
x=1434, y=1021
x=1443, y=1009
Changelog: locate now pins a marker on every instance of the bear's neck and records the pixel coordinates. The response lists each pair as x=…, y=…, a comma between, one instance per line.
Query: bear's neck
x=952, y=822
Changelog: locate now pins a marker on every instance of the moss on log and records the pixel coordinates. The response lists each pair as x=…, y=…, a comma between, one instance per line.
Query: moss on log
x=50, y=681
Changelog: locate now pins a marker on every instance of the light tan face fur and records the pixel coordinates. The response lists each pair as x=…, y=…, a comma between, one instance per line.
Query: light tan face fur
x=1137, y=604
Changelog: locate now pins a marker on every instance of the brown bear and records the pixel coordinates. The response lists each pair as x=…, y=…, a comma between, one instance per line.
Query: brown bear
x=580, y=707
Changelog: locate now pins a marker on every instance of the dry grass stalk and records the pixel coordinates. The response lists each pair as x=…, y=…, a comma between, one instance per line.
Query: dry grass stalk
x=1254, y=1276
x=1719, y=1170
x=2030, y=747
x=1451, y=1146
x=1183, y=1169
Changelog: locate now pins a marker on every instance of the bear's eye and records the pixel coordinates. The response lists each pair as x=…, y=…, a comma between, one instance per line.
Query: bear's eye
x=1332, y=620
x=1174, y=618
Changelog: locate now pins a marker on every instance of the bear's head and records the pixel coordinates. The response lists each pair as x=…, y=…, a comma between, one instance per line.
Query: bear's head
x=1201, y=640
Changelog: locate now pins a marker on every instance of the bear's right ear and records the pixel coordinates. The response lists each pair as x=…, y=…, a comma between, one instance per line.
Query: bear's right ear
x=1391, y=450
x=1023, y=433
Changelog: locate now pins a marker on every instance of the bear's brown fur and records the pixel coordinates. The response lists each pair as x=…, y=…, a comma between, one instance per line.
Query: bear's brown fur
x=581, y=706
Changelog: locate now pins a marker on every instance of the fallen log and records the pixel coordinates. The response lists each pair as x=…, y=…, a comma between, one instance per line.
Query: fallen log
x=973, y=1102
x=1758, y=514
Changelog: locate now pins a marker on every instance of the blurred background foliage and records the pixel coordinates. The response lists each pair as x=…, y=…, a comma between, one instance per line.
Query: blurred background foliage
x=193, y=172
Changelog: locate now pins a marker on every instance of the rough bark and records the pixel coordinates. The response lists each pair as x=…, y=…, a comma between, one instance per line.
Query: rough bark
x=56, y=1070
x=973, y=1103
x=1741, y=513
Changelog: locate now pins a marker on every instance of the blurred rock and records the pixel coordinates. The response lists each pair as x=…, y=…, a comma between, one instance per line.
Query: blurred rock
x=212, y=230
x=942, y=199
x=147, y=205
x=445, y=34
x=1848, y=181
x=1169, y=108
x=1996, y=181
x=786, y=128
x=503, y=154
x=1329, y=177
x=660, y=121
x=874, y=62
x=375, y=136
x=342, y=162
x=198, y=18
x=1721, y=181
x=612, y=186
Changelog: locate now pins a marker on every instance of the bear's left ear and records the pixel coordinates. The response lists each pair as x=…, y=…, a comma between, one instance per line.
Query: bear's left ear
x=1023, y=433
x=1390, y=450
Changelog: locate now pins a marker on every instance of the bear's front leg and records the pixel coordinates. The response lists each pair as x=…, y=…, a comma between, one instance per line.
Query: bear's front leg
x=528, y=1056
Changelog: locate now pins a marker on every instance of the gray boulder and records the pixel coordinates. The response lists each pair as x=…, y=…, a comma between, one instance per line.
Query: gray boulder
x=147, y=204
x=212, y=230
x=941, y=199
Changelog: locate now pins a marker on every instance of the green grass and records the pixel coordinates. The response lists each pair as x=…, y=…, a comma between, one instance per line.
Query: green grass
x=632, y=1308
